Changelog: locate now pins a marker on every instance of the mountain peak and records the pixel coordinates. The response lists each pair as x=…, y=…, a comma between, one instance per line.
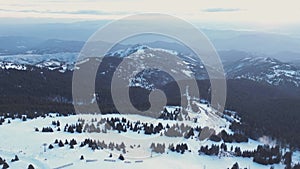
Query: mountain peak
x=126, y=52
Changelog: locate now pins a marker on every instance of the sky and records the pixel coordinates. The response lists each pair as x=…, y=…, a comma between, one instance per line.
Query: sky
x=263, y=14
x=269, y=12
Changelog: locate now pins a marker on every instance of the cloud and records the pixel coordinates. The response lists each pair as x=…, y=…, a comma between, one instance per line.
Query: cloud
x=222, y=10
x=78, y=12
x=88, y=12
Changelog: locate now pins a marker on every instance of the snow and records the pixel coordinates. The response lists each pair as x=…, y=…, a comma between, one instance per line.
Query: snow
x=61, y=61
x=29, y=145
x=269, y=70
x=12, y=66
x=32, y=59
x=166, y=51
x=296, y=157
x=22, y=140
x=187, y=73
x=138, y=49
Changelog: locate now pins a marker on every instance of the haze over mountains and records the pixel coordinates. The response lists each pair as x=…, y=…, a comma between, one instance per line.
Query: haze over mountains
x=284, y=47
x=232, y=45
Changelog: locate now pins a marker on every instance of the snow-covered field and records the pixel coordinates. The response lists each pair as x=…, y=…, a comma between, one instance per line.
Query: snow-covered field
x=20, y=138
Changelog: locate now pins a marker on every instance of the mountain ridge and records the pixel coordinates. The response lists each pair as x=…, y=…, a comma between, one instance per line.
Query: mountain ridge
x=260, y=69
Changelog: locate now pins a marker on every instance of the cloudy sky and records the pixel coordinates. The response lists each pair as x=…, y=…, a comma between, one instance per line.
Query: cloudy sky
x=262, y=13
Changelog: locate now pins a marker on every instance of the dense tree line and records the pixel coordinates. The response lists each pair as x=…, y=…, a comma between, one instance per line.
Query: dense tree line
x=267, y=155
x=266, y=110
x=123, y=125
x=236, y=137
x=213, y=150
x=175, y=115
x=47, y=129
x=158, y=148
x=179, y=148
x=229, y=138
x=177, y=130
x=264, y=155
x=78, y=127
x=93, y=144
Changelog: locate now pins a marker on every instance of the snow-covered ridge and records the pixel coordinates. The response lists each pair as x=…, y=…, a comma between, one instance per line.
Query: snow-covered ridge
x=267, y=70
x=8, y=65
x=64, y=60
x=57, y=61
x=260, y=69
x=138, y=49
x=128, y=51
x=143, y=66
